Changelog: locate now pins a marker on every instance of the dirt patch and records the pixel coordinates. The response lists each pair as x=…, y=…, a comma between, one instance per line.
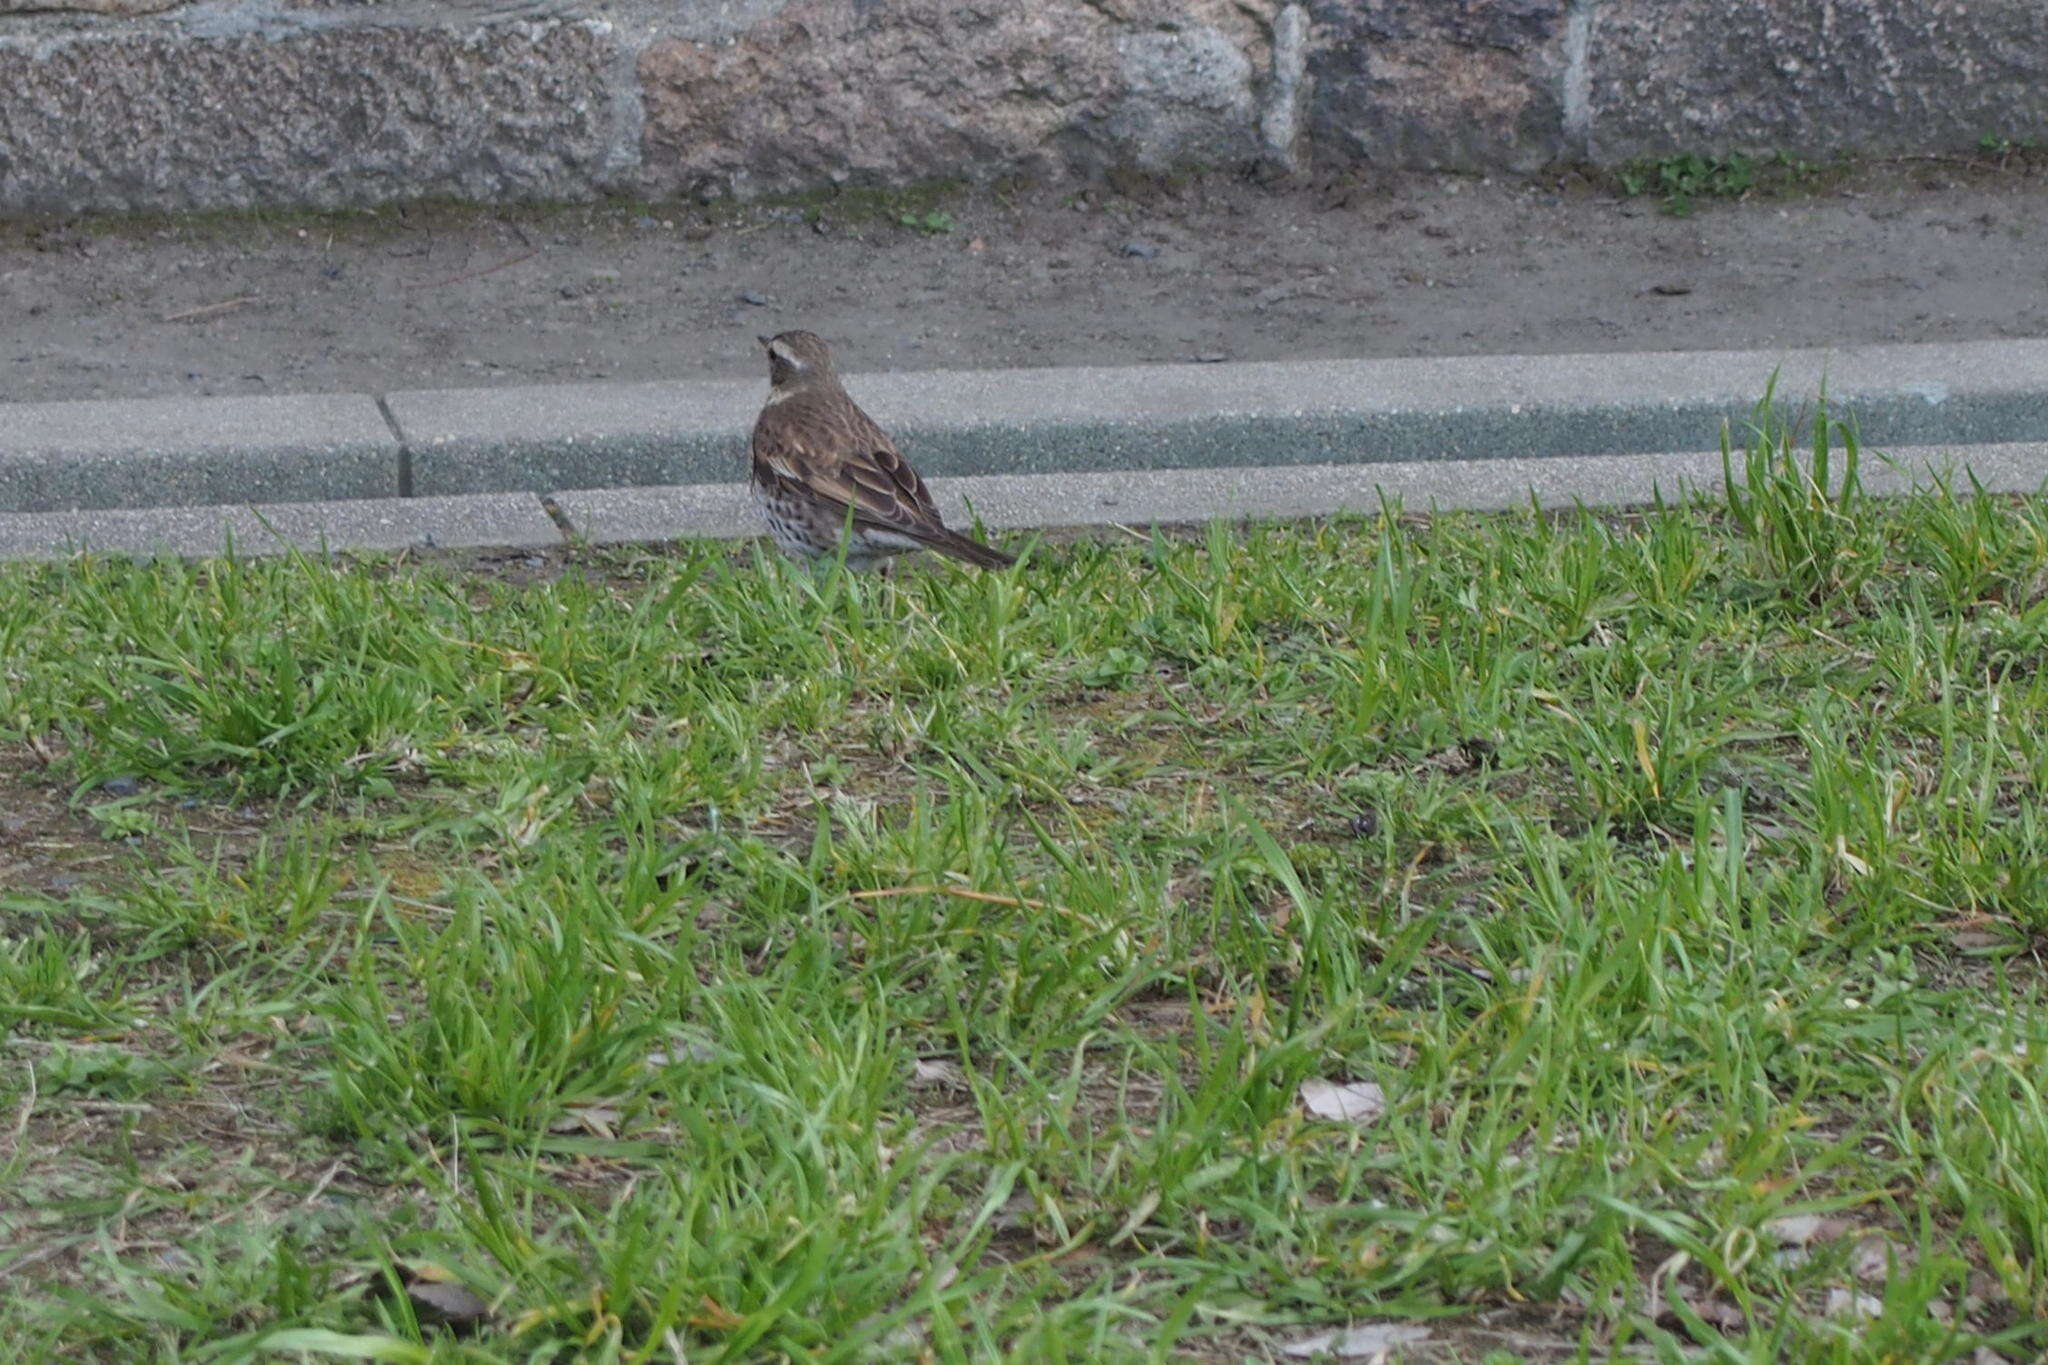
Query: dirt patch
x=434, y=297
x=45, y=844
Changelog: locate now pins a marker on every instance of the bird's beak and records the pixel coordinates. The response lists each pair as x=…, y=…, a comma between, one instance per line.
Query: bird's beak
x=763, y=341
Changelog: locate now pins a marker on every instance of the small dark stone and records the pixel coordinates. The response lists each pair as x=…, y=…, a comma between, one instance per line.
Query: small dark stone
x=1480, y=753
x=1141, y=248
x=1365, y=824
x=123, y=785
x=1670, y=290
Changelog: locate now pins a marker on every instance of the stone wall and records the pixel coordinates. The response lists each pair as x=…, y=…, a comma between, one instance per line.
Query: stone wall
x=147, y=104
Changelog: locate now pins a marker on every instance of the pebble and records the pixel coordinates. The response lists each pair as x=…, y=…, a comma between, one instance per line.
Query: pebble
x=1141, y=248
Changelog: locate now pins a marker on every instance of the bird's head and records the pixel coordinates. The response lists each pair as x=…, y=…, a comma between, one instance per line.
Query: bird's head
x=796, y=358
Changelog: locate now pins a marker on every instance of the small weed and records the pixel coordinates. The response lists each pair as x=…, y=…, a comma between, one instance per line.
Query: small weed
x=932, y=222
x=1679, y=180
x=2010, y=149
x=101, y=1072
x=1795, y=495
x=865, y=203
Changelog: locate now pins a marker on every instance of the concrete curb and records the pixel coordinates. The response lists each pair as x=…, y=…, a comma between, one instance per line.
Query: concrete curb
x=187, y=451
x=1000, y=502
x=1182, y=496
x=1212, y=416
x=507, y=520
x=1007, y=422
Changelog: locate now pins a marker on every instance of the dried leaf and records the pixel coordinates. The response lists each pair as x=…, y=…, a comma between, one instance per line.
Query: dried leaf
x=715, y=1316
x=1875, y=1256
x=905, y=1342
x=1369, y=1339
x=1804, y=1229
x=1354, y=1102
x=938, y=1071
x=597, y=1119
x=447, y=1302
x=1146, y=1207
x=525, y=829
x=1718, y=1314
x=431, y=1272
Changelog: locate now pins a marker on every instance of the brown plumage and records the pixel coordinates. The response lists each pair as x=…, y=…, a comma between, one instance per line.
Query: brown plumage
x=816, y=455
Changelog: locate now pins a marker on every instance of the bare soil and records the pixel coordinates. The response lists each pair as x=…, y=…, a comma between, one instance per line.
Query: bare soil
x=437, y=296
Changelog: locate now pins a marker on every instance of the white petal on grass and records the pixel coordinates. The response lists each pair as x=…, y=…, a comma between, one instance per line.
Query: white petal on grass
x=938, y=1072
x=683, y=1050
x=1368, y=1339
x=1804, y=1229
x=1359, y=1102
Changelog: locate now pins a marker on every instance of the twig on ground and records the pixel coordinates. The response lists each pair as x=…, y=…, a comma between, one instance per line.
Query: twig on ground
x=209, y=309
x=479, y=274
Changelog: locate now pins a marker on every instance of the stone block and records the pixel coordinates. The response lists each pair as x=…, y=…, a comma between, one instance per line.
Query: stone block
x=1447, y=84
x=226, y=108
x=830, y=91
x=1814, y=77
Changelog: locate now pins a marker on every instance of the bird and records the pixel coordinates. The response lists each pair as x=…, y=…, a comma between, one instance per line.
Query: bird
x=816, y=455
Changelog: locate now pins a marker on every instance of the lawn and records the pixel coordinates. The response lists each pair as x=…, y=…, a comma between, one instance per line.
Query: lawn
x=1556, y=936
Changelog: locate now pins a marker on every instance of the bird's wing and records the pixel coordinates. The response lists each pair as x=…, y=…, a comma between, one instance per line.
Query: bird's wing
x=848, y=462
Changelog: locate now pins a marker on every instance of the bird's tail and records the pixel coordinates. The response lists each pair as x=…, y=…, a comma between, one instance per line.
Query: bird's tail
x=956, y=546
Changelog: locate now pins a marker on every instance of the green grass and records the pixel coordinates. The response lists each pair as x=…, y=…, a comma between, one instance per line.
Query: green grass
x=1680, y=181
x=697, y=958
